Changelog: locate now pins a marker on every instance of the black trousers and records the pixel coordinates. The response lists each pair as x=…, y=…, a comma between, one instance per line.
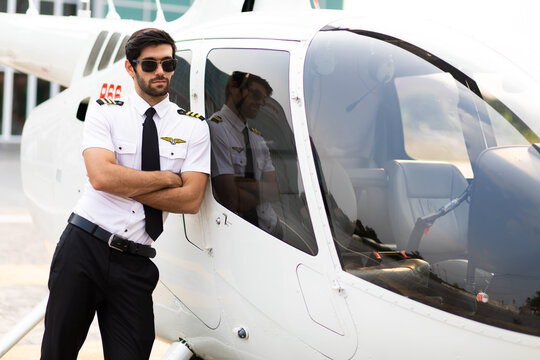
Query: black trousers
x=86, y=277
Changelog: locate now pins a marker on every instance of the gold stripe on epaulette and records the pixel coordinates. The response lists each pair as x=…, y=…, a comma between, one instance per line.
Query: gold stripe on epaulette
x=107, y=101
x=195, y=115
x=190, y=113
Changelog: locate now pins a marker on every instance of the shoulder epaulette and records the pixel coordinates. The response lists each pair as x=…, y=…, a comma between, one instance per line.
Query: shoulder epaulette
x=216, y=118
x=191, y=113
x=104, y=101
x=256, y=131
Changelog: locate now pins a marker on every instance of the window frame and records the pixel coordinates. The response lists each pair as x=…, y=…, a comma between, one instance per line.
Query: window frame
x=293, y=87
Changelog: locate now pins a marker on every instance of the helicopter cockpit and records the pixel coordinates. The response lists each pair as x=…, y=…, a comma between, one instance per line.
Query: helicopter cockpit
x=429, y=172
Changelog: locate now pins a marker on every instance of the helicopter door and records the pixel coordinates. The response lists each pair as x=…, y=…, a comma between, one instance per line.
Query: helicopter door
x=185, y=261
x=268, y=266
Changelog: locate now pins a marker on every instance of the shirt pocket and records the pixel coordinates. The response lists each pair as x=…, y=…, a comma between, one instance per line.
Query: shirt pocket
x=260, y=167
x=125, y=152
x=238, y=162
x=260, y=164
x=172, y=156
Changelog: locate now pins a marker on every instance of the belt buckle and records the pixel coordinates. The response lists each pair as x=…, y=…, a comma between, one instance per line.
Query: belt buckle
x=111, y=245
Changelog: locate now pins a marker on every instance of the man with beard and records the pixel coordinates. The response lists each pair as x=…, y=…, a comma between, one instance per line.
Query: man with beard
x=243, y=176
x=144, y=157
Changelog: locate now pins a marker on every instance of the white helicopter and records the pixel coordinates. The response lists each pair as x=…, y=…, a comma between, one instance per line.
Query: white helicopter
x=408, y=172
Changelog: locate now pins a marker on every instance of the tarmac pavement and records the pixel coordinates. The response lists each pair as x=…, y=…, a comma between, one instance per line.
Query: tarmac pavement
x=24, y=267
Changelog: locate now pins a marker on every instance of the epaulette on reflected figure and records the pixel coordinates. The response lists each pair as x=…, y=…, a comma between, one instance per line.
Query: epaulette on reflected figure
x=104, y=101
x=256, y=131
x=191, y=113
x=217, y=119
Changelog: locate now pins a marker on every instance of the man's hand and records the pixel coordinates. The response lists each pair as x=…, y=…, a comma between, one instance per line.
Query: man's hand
x=181, y=180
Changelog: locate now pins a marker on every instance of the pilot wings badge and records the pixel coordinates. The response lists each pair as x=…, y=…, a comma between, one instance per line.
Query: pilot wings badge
x=173, y=141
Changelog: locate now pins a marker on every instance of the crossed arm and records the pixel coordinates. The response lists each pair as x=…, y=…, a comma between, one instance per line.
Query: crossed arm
x=241, y=194
x=162, y=190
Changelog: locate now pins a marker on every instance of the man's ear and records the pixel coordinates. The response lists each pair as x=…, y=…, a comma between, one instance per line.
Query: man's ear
x=129, y=68
x=244, y=92
x=234, y=90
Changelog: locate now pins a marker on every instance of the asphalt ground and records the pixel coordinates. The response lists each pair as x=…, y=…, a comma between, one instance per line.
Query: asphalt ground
x=24, y=267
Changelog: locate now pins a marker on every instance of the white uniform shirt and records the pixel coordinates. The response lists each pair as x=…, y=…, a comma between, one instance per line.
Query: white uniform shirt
x=184, y=145
x=229, y=156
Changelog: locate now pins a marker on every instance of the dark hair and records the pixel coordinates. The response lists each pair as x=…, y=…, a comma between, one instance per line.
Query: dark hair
x=140, y=39
x=242, y=80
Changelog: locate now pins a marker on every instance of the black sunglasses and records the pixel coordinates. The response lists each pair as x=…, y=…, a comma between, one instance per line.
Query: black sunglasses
x=257, y=95
x=168, y=65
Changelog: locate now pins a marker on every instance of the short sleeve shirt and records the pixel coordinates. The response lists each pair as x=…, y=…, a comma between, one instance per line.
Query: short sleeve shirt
x=184, y=145
x=228, y=146
x=229, y=156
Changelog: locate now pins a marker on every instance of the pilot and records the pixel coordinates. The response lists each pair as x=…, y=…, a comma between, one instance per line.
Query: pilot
x=243, y=176
x=144, y=157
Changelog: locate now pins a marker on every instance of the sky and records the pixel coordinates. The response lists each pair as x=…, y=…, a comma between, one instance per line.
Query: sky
x=509, y=27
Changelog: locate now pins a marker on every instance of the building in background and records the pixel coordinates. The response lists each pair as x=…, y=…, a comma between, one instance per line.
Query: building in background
x=21, y=93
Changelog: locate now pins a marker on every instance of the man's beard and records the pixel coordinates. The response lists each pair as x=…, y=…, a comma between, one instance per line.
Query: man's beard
x=250, y=112
x=156, y=92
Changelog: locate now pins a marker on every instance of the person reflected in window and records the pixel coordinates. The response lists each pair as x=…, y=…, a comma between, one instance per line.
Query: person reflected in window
x=243, y=176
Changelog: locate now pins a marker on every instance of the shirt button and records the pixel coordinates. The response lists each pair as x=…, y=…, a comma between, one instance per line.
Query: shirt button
x=119, y=148
x=133, y=211
x=172, y=153
x=126, y=230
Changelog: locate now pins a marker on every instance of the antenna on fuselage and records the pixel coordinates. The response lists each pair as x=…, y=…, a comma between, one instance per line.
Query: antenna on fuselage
x=160, y=17
x=84, y=11
x=112, y=14
x=32, y=9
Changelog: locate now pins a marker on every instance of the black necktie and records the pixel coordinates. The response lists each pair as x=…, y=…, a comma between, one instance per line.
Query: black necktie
x=150, y=162
x=248, y=173
x=251, y=214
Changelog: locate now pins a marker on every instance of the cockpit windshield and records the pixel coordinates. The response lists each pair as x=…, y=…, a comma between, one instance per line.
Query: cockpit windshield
x=430, y=174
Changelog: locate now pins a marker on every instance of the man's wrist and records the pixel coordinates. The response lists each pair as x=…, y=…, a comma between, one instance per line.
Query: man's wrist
x=172, y=179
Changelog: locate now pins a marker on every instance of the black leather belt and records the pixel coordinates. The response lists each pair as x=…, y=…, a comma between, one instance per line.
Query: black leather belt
x=114, y=241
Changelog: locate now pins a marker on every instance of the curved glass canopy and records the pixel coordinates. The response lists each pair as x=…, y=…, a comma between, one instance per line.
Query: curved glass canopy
x=429, y=173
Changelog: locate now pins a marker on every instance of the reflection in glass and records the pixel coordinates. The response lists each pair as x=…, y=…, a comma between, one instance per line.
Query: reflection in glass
x=180, y=83
x=428, y=182
x=254, y=163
